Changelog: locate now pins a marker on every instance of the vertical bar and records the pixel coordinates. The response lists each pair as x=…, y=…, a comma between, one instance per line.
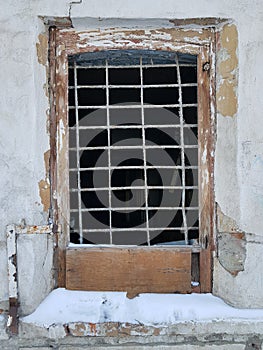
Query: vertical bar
x=78, y=158
x=109, y=148
x=182, y=149
x=144, y=156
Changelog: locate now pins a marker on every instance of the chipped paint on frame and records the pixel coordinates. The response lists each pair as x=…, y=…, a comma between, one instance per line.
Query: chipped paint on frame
x=194, y=41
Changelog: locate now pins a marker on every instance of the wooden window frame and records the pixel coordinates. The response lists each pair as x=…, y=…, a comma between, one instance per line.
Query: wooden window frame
x=64, y=42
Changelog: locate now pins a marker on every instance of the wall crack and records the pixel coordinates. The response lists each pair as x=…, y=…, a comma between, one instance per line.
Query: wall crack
x=71, y=4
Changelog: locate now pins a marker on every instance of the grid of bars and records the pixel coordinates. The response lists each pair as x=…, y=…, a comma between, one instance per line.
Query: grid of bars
x=133, y=180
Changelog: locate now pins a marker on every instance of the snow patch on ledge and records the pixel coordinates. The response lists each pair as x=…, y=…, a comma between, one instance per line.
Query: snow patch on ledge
x=64, y=306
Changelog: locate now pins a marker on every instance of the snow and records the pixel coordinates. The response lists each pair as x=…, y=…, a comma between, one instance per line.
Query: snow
x=64, y=306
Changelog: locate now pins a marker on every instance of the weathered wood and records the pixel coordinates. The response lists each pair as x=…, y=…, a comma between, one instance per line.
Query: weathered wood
x=69, y=42
x=135, y=270
x=205, y=271
x=12, y=322
x=58, y=150
x=206, y=136
x=206, y=149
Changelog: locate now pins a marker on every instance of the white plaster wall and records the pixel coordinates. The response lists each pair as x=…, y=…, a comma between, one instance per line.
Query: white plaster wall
x=23, y=136
x=35, y=269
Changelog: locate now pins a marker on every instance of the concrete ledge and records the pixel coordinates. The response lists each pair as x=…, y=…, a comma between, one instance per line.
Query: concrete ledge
x=203, y=335
x=112, y=332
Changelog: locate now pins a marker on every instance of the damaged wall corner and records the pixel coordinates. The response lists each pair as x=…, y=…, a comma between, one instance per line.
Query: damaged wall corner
x=231, y=244
x=237, y=262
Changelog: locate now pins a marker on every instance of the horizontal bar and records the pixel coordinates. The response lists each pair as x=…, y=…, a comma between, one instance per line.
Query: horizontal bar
x=168, y=65
x=123, y=209
x=138, y=86
x=134, y=188
x=139, y=229
x=129, y=147
x=136, y=167
x=139, y=126
x=135, y=106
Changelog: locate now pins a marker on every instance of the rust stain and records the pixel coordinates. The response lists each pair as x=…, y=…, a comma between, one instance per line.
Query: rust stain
x=45, y=229
x=226, y=95
x=239, y=235
x=93, y=329
x=42, y=49
x=44, y=185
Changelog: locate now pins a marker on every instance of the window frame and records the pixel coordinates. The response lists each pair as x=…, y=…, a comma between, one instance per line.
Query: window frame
x=64, y=42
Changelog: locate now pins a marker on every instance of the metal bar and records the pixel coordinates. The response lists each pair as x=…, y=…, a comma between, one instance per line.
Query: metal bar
x=182, y=149
x=135, y=106
x=136, y=66
x=111, y=86
x=136, y=167
x=109, y=148
x=139, y=229
x=143, y=147
x=144, y=155
x=133, y=208
x=78, y=157
x=130, y=147
x=134, y=188
x=148, y=126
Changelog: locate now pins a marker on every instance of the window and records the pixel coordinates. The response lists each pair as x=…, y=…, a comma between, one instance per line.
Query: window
x=133, y=148
x=134, y=166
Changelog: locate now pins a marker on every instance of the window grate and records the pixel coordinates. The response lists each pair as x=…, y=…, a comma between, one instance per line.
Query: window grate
x=133, y=148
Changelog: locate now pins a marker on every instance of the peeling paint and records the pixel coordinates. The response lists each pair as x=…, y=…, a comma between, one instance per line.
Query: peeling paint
x=227, y=102
x=44, y=185
x=42, y=49
x=62, y=133
x=12, y=261
x=69, y=42
x=44, y=192
x=169, y=38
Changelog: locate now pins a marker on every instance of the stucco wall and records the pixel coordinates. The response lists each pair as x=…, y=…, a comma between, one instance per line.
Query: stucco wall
x=24, y=138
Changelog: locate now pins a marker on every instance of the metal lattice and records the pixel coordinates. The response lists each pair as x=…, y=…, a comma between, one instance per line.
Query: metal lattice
x=133, y=148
